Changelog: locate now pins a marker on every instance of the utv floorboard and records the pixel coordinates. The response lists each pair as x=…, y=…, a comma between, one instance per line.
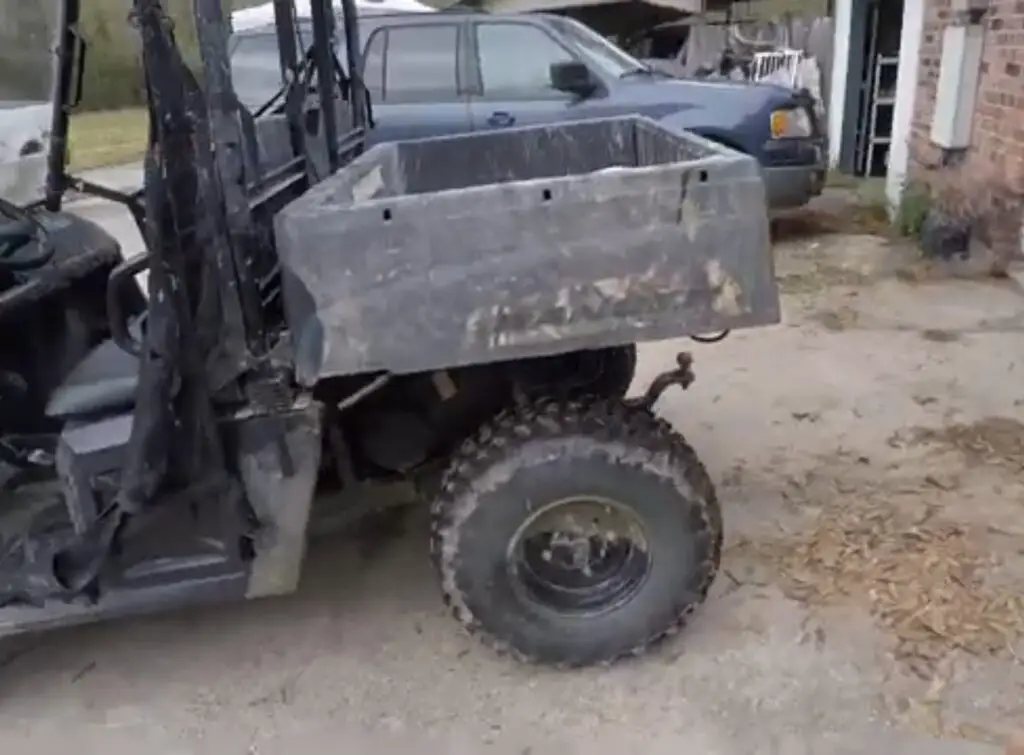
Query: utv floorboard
x=524, y=242
x=40, y=509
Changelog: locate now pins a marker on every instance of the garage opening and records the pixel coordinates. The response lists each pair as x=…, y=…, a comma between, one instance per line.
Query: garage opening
x=871, y=93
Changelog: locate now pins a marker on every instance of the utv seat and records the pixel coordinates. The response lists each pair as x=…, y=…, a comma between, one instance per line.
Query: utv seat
x=103, y=382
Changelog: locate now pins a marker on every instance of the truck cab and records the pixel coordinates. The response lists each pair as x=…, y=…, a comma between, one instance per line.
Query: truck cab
x=434, y=74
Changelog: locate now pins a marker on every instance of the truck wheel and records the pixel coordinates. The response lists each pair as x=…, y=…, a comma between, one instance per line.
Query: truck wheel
x=575, y=534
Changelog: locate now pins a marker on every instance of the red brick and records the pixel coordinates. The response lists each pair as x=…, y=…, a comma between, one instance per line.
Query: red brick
x=996, y=135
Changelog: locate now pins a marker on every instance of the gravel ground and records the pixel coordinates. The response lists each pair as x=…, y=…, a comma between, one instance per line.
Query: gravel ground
x=881, y=419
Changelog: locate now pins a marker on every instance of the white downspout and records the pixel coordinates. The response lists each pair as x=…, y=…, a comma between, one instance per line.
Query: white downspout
x=906, y=94
x=841, y=28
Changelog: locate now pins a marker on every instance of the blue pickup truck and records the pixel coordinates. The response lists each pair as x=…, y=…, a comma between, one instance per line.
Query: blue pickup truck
x=433, y=74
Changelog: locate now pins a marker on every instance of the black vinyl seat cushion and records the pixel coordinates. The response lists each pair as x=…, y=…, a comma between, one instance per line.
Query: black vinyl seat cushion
x=107, y=378
x=104, y=381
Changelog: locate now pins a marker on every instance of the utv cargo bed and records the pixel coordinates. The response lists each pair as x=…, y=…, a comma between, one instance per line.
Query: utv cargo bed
x=437, y=253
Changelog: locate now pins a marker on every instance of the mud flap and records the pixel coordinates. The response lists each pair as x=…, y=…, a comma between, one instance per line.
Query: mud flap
x=281, y=494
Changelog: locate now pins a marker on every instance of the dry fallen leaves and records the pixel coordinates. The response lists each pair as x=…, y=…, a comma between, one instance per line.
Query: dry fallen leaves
x=845, y=217
x=991, y=440
x=837, y=320
x=922, y=579
x=818, y=278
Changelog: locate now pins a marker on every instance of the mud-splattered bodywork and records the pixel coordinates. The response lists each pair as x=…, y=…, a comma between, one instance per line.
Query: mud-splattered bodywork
x=524, y=242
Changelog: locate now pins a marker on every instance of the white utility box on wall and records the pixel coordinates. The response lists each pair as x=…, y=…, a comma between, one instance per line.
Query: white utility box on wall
x=957, y=90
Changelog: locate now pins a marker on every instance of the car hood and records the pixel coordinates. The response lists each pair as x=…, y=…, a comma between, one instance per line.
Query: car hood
x=738, y=96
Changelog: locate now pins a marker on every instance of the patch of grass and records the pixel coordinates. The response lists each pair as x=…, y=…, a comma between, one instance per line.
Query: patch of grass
x=839, y=180
x=913, y=211
x=862, y=189
x=871, y=192
x=112, y=137
x=870, y=219
x=820, y=277
x=849, y=205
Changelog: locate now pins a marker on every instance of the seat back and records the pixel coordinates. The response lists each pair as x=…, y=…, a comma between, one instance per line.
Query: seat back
x=273, y=139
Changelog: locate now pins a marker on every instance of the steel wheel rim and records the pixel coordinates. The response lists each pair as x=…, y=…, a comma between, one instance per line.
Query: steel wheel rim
x=580, y=556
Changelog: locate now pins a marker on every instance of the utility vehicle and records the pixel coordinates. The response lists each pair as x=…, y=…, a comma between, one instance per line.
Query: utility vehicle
x=457, y=312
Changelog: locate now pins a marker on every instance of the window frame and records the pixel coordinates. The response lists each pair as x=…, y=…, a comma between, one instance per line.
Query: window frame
x=268, y=35
x=415, y=97
x=376, y=94
x=252, y=39
x=241, y=40
x=582, y=36
x=509, y=94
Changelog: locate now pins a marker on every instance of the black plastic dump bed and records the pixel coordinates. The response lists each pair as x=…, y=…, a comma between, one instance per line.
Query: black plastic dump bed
x=443, y=252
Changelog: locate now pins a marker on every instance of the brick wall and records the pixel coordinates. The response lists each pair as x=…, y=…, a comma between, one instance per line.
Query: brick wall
x=997, y=130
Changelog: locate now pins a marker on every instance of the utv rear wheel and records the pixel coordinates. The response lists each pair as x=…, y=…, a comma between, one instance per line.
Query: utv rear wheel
x=575, y=534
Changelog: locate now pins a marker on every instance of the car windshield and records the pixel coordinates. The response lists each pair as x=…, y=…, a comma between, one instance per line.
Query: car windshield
x=610, y=59
x=26, y=76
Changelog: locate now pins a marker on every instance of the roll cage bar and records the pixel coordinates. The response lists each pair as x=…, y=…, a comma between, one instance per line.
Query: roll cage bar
x=298, y=68
x=214, y=324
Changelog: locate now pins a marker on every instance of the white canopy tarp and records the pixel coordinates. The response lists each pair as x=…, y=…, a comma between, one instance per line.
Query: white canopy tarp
x=262, y=15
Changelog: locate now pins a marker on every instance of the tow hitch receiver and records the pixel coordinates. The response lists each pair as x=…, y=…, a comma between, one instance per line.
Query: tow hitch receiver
x=682, y=376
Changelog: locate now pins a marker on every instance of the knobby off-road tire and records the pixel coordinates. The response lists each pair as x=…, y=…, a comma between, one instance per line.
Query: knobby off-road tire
x=533, y=455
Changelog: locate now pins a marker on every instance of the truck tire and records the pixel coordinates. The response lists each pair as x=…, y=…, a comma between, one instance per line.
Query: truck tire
x=633, y=543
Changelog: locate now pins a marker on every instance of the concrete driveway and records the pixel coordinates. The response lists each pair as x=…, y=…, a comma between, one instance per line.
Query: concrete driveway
x=869, y=454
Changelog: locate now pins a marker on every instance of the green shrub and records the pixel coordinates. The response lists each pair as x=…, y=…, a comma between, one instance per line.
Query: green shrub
x=913, y=210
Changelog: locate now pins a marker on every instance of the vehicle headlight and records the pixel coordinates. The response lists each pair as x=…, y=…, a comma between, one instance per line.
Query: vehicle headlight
x=791, y=123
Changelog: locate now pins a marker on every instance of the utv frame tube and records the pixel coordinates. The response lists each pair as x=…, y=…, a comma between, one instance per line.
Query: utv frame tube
x=68, y=42
x=226, y=133
x=323, y=58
